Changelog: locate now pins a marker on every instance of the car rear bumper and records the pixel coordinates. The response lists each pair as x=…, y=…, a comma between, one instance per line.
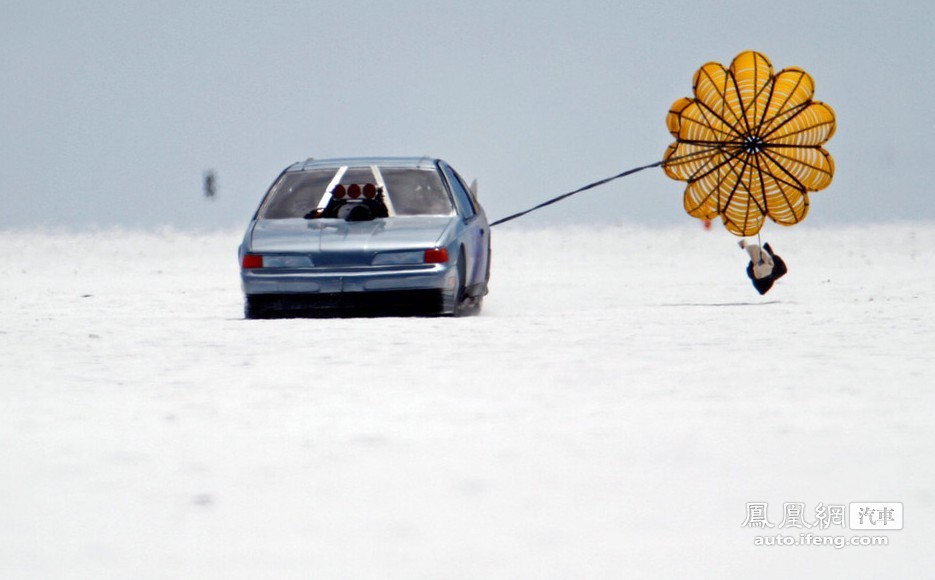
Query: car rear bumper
x=338, y=280
x=423, y=289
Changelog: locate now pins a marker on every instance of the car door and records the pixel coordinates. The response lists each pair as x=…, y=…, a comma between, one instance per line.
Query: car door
x=476, y=232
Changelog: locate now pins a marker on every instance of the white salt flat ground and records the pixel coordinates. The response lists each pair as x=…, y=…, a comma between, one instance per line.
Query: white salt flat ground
x=622, y=397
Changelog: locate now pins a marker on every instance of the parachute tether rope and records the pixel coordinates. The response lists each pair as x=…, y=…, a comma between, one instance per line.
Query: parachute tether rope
x=601, y=182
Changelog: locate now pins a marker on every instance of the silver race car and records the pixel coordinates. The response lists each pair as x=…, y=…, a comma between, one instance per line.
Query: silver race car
x=366, y=236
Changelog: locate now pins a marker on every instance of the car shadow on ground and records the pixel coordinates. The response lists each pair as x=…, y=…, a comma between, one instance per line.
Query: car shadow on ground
x=720, y=304
x=409, y=305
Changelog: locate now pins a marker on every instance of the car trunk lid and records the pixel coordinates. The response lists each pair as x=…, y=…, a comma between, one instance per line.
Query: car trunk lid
x=333, y=242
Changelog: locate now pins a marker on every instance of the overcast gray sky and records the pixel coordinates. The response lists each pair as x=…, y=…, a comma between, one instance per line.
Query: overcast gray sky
x=110, y=112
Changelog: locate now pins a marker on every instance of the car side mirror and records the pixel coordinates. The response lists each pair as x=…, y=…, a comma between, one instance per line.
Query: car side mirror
x=473, y=188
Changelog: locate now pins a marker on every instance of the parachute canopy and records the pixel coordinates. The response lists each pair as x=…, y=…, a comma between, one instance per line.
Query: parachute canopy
x=749, y=144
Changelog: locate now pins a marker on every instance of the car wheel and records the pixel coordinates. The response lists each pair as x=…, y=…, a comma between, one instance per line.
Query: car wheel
x=254, y=309
x=465, y=305
x=458, y=298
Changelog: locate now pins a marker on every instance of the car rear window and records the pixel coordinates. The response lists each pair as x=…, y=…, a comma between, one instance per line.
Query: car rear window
x=416, y=191
x=296, y=194
x=410, y=191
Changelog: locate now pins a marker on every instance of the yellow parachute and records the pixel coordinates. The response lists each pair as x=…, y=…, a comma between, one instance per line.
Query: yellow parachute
x=749, y=144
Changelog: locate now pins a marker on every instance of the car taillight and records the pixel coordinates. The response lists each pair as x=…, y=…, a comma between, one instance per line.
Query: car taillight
x=436, y=256
x=251, y=261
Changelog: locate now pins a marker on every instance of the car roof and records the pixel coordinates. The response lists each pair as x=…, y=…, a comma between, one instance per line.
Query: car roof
x=413, y=162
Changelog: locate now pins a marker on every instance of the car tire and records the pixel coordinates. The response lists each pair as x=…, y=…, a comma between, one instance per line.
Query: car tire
x=458, y=296
x=465, y=305
x=254, y=309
